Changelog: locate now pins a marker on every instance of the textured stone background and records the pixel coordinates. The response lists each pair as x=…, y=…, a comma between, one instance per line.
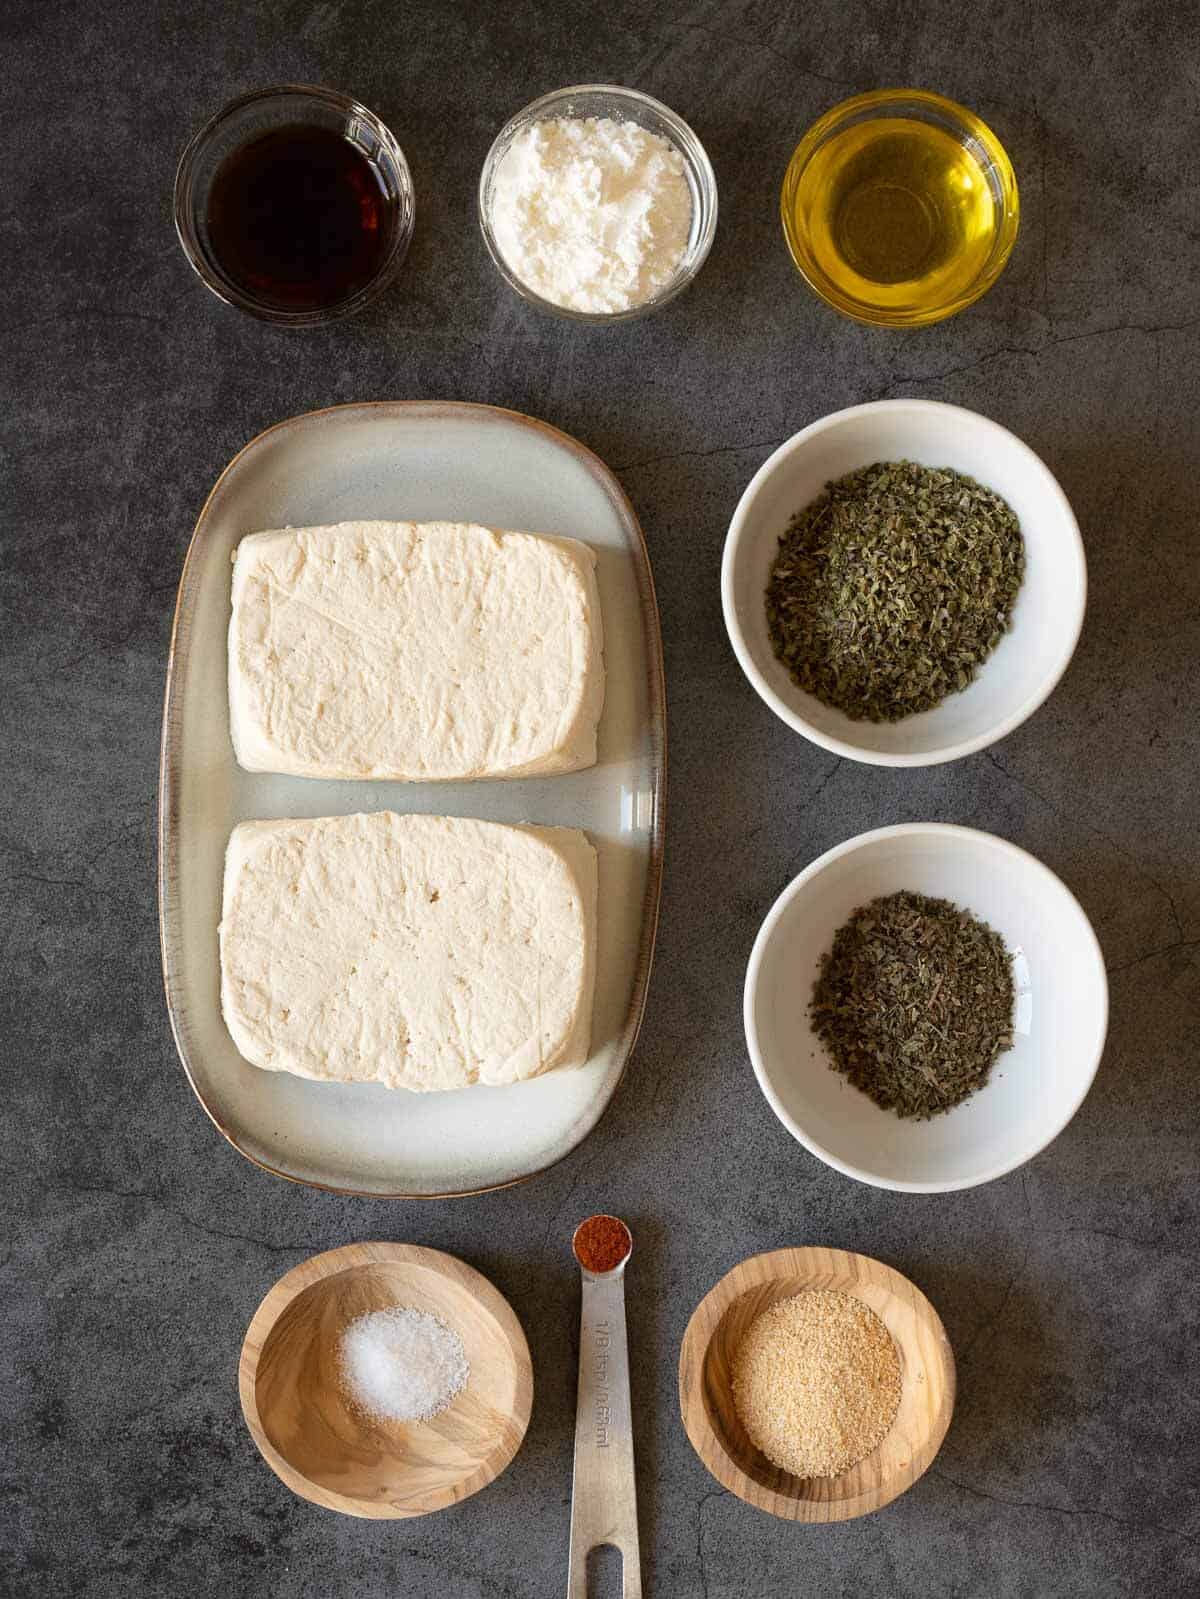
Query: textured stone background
x=137, y=1243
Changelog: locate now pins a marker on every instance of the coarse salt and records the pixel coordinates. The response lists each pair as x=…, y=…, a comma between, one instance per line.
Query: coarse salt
x=591, y=213
x=401, y=1364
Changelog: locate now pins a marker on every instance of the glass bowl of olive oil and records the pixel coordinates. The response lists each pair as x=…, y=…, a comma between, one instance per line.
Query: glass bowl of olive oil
x=900, y=207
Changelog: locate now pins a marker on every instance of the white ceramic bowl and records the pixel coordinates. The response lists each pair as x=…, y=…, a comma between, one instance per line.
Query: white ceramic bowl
x=1034, y=1088
x=1047, y=617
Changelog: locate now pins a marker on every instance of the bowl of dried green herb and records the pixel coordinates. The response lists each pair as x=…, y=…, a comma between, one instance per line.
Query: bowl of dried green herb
x=926, y=1007
x=904, y=582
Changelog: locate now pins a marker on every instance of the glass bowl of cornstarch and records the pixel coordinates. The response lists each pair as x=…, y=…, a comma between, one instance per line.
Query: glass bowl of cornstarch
x=597, y=203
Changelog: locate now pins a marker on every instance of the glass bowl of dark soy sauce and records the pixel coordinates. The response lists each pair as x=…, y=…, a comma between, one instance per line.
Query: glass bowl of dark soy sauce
x=294, y=204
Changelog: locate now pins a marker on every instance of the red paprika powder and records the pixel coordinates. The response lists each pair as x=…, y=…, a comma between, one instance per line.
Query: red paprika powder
x=601, y=1243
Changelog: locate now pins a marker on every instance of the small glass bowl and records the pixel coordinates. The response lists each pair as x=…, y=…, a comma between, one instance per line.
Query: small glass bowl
x=281, y=106
x=622, y=105
x=922, y=106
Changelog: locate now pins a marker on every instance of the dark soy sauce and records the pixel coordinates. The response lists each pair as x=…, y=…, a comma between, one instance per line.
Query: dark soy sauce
x=298, y=219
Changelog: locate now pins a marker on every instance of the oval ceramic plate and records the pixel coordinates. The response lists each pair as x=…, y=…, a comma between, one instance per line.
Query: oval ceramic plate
x=418, y=460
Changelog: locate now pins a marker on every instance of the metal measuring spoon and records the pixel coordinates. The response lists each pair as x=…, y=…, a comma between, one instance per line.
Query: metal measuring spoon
x=603, y=1496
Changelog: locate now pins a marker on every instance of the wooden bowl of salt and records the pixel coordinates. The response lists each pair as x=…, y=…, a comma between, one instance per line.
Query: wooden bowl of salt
x=707, y=1363
x=309, y=1420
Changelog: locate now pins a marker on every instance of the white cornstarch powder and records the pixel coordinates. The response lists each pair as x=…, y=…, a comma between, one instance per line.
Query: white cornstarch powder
x=591, y=213
x=401, y=1364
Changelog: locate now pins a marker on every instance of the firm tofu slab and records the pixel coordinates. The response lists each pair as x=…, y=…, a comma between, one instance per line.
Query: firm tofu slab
x=414, y=652
x=421, y=952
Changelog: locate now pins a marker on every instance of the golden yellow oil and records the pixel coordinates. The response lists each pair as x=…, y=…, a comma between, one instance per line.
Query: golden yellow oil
x=898, y=215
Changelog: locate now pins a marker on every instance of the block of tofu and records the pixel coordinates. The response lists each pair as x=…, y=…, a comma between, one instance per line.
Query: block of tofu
x=414, y=651
x=421, y=952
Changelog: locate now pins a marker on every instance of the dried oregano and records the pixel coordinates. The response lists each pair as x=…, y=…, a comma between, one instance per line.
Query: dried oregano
x=892, y=587
x=914, y=1002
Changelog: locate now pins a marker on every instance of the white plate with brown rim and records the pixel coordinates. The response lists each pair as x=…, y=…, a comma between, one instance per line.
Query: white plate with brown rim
x=416, y=460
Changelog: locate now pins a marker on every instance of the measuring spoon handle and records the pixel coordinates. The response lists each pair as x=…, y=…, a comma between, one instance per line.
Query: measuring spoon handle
x=604, y=1499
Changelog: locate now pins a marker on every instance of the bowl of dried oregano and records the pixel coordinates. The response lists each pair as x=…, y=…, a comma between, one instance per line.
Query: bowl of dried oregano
x=904, y=582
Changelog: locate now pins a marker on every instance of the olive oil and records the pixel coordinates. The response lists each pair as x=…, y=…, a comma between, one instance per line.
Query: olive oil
x=898, y=216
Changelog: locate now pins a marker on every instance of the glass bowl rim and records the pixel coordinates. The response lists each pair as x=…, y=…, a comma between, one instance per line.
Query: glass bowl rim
x=959, y=119
x=185, y=214
x=685, y=139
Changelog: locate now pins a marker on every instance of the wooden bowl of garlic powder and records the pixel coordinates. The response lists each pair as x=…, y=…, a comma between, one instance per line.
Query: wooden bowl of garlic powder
x=816, y=1384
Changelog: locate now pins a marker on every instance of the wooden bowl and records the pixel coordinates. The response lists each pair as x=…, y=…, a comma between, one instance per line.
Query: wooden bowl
x=328, y=1452
x=715, y=1429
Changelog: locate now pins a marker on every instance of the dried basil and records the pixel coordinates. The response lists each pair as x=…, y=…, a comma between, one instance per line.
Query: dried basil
x=889, y=591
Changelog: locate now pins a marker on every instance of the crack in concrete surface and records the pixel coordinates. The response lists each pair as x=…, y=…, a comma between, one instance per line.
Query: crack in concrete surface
x=1150, y=330
x=143, y=1196
x=717, y=449
x=1067, y=816
x=585, y=1165
x=701, y=1559
x=1152, y=1245
x=991, y=1323
x=825, y=782
x=1064, y=1510
x=1152, y=954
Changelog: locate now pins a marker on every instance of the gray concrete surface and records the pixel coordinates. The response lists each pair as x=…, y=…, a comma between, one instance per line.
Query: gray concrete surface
x=137, y=1243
